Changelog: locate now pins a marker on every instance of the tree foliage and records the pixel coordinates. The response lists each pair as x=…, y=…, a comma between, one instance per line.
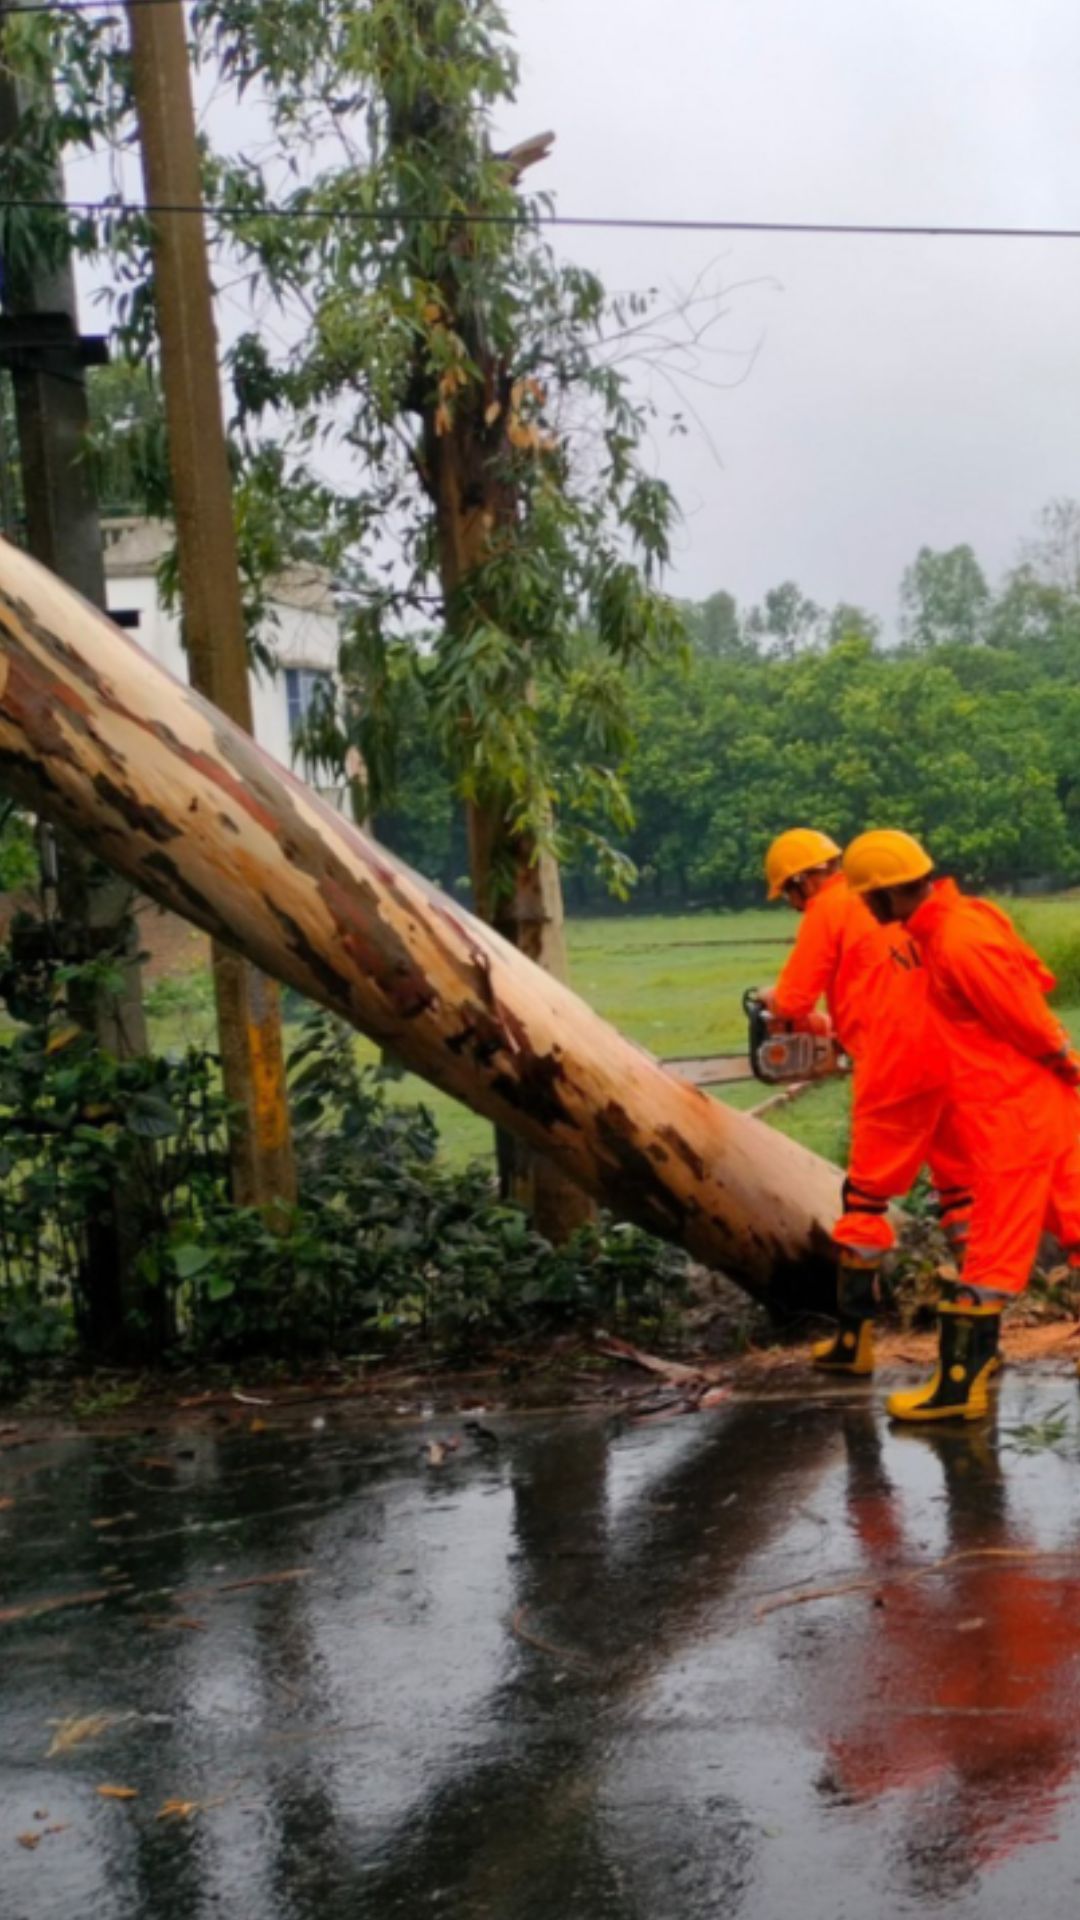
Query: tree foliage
x=971, y=742
x=414, y=330
x=944, y=599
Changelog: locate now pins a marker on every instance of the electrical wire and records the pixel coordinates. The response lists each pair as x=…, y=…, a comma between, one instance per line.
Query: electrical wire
x=75, y=6
x=851, y=229
x=636, y=223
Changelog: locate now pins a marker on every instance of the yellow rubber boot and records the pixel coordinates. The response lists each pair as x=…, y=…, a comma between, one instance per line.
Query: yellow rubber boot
x=967, y=1351
x=954, y=1212
x=851, y=1348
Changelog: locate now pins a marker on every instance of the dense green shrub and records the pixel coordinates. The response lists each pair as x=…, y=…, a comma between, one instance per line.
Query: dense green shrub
x=384, y=1244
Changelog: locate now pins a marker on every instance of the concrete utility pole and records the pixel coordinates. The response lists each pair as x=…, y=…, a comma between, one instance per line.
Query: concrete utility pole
x=41, y=345
x=248, y=1006
x=91, y=908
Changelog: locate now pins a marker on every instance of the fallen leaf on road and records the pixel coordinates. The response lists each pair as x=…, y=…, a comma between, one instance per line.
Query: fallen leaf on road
x=60, y=1826
x=167, y=1623
x=7, y=1502
x=156, y=1466
x=112, y=1520
x=75, y=1729
x=257, y=1426
x=118, y=1793
x=29, y=1841
x=177, y=1810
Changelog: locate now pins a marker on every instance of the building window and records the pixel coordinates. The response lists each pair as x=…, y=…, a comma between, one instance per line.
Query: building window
x=305, y=688
x=125, y=617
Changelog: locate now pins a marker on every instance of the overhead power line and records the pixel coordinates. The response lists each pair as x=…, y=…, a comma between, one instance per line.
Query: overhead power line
x=637, y=223
x=77, y=6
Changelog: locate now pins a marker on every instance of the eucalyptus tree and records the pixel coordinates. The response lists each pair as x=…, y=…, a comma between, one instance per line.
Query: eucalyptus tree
x=431, y=402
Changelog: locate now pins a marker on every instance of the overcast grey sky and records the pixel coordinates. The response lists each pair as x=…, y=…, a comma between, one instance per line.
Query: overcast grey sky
x=906, y=391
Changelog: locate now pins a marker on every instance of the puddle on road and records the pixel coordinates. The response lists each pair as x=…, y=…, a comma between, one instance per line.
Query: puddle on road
x=584, y=1674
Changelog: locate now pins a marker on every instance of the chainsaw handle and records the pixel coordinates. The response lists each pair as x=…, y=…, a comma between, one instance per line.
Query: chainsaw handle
x=758, y=1022
x=756, y=1010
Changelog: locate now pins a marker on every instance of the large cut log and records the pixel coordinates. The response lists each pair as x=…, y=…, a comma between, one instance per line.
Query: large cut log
x=98, y=737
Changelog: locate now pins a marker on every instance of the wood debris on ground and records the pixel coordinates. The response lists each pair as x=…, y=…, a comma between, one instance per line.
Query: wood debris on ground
x=31, y=1609
x=687, y=1389
x=278, y=1578
x=880, y=1585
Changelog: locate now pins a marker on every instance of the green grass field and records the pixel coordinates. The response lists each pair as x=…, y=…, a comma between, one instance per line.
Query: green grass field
x=675, y=985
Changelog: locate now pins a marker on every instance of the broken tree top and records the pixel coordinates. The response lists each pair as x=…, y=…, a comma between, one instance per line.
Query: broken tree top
x=98, y=737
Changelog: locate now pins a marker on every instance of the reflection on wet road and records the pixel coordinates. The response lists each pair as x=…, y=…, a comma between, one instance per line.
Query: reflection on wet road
x=580, y=1674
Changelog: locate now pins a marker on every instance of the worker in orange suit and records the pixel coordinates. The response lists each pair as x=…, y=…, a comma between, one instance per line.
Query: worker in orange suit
x=1013, y=1081
x=876, y=993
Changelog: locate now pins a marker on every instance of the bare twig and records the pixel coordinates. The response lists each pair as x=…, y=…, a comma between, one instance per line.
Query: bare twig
x=564, y=1657
x=784, y=1098
x=908, y=1577
x=34, y=1608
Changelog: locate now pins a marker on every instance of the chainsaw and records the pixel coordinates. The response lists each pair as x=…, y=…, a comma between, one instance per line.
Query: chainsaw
x=777, y=1053
x=780, y=1052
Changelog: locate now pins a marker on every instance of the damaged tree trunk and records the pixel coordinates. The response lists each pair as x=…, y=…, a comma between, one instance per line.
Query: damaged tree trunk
x=168, y=791
x=516, y=885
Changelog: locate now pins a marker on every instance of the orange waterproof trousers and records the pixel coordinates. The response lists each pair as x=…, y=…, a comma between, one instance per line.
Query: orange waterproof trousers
x=889, y=1146
x=1017, y=1118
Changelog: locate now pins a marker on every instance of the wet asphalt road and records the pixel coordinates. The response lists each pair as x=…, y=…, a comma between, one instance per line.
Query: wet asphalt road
x=571, y=1676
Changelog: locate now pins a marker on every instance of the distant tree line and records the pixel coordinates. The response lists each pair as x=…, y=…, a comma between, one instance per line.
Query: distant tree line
x=965, y=729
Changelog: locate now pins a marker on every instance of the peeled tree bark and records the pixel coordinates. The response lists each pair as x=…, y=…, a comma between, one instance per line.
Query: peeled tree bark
x=168, y=791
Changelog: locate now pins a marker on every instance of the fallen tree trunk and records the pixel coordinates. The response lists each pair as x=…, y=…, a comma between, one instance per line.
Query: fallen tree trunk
x=162, y=787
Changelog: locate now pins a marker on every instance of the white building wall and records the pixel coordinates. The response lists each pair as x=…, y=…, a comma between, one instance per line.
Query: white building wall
x=297, y=636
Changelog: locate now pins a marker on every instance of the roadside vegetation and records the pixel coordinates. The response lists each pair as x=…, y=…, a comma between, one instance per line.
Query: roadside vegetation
x=521, y=710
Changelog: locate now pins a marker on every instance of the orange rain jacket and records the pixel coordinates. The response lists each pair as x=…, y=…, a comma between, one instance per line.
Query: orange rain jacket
x=989, y=987
x=876, y=992
x=1017, y=1120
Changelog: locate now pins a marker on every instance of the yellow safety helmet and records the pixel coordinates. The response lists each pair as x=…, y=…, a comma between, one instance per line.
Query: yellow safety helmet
x=796, y=851
x=885, y=858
